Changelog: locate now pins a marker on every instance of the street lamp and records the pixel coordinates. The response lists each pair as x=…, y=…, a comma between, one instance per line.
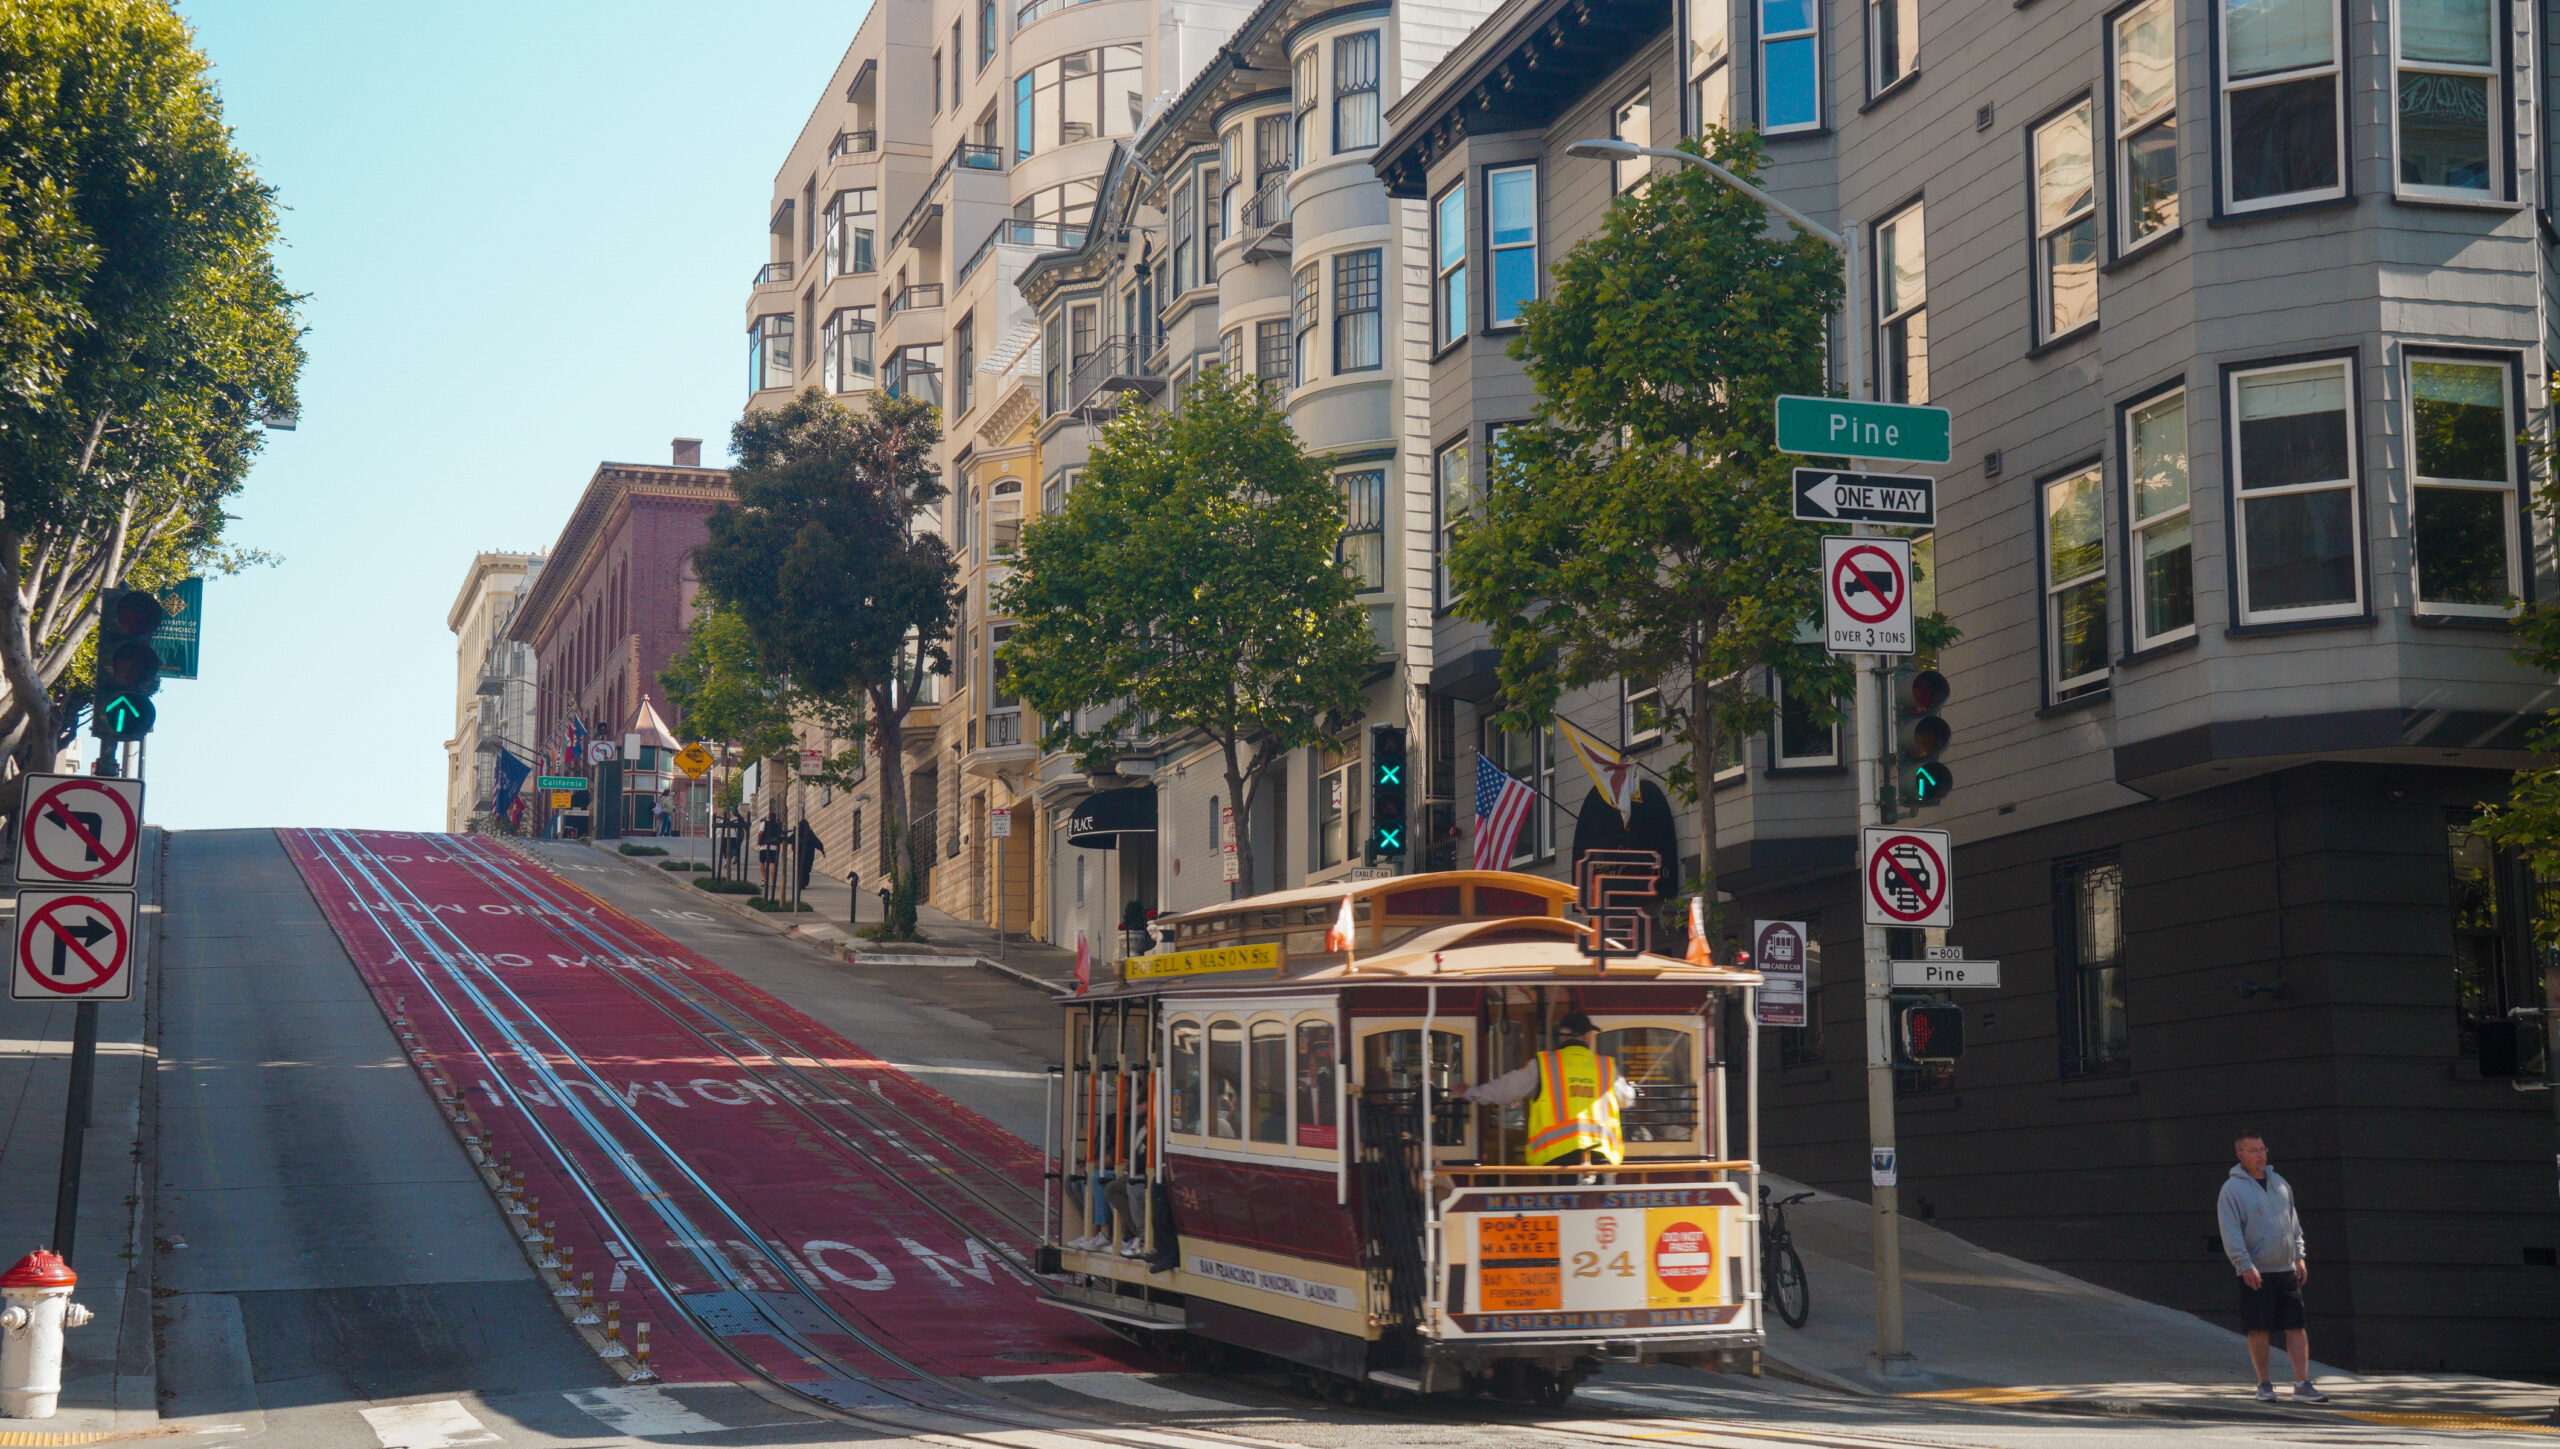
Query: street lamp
x=1892, y=1354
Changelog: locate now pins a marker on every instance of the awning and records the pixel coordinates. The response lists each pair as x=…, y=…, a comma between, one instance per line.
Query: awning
x=1100, y=821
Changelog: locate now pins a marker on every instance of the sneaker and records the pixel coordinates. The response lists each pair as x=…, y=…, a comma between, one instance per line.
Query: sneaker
x=1134, y=1248
x=2266, y=1390
x=2304, y=1393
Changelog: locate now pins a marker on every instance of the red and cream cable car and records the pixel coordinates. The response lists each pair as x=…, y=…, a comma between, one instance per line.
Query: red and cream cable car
x=1250, y=1147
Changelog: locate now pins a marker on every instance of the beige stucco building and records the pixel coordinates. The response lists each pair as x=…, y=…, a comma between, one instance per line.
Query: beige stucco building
x=493, y=684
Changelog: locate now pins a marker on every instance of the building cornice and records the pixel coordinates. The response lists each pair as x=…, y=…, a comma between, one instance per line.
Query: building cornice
x=607, y=499
x=475, y=582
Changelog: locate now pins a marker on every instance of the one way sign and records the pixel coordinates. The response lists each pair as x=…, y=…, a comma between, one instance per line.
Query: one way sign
x=1824, y=495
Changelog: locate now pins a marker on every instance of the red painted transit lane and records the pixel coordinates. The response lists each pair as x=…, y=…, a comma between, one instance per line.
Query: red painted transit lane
x=539, y=999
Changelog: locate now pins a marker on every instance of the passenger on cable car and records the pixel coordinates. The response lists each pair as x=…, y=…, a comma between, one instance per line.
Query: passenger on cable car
x=1098, y=1182
x=1574, y=1095
x=1127, y=1194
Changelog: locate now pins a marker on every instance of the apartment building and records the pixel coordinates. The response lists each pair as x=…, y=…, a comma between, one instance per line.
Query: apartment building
x=957, y=141
x=493, y=683
x=2241, y=309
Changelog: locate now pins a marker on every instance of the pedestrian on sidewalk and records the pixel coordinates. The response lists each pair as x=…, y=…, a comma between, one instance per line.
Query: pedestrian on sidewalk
x=769, y=838
x=2262, y=1235
x=806, y=847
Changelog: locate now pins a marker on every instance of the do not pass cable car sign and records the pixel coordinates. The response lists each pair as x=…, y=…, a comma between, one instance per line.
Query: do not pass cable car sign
x=1908, y=877
x=1866, y=595
x=73, y=945
x=80, y=830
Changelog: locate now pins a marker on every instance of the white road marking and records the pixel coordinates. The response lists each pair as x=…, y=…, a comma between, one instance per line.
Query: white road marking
x=1135, y=1390
x=957, y=1071
x=437, y=1424
x=642, y=1411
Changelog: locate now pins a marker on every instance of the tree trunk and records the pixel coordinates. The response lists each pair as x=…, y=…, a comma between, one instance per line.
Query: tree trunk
x=898, y=920
x=1237, y=800
x=32, y=693
x=1702, y=762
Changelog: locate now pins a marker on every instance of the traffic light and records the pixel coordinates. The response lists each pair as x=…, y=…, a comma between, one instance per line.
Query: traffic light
x=128, y=667
x=1921, y=736
x=1932, y=1033
x=1387, y=828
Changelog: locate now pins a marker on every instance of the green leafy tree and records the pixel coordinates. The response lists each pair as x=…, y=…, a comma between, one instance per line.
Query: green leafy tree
x=842, y=595
x=721, y=690
x=144, y=334
x=1638, y=527
x=1191, y=584
x=2528, y=820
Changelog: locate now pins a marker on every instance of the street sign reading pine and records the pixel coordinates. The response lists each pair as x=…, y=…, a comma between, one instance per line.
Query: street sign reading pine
x=1839, y=428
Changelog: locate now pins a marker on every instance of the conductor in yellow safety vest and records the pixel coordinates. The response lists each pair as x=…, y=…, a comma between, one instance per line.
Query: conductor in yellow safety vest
x=1574, y=1094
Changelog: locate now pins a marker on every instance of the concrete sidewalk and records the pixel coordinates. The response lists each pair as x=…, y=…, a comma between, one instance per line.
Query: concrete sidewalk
x=108, y=1372
x=1986, y=1328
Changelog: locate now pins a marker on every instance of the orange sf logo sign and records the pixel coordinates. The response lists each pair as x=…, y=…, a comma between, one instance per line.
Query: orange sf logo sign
x=1608, y=1231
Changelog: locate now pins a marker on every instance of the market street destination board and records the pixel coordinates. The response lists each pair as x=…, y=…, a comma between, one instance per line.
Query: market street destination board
x=1828, y=495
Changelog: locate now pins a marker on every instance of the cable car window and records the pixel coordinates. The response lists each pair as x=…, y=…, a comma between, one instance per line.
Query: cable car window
x=1106, y=1036
x=1226, y=1079
x=1424, y=901
x=1318, y=1094
x=1269, y=1054
x=1495, y=901
x=1391, y=1061
x=1079, y=1030
x=1185, y=1085
x=1135, y=1030
x=1658, y=1060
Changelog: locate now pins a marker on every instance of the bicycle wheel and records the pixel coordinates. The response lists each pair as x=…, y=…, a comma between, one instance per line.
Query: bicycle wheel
x=1788, y=1291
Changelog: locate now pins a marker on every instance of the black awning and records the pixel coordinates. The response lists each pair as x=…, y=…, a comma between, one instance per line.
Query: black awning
x=1102, y=819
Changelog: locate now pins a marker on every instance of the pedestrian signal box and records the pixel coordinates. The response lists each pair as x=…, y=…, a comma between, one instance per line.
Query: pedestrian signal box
x=1932, y=1033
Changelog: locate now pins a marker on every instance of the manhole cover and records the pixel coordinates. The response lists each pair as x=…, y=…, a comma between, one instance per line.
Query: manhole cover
x=1035, y=1355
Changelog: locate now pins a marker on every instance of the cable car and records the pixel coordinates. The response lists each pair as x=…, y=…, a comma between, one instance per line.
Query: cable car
x=1253, y=1144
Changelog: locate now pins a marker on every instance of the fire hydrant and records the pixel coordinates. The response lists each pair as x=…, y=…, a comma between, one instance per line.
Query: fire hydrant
x=38, y=1292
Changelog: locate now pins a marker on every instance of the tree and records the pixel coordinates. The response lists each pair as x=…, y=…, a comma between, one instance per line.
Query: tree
x=822, y=563
x=2528, y=820
x=1192, y=583
x=144, y=335
x=1638, y=527
x=721, y=690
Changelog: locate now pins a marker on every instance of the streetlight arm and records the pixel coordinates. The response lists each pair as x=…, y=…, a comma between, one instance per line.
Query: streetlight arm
x=1614, y=149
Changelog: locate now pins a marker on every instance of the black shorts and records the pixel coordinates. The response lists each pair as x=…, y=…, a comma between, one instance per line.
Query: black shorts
x=2274, y=1306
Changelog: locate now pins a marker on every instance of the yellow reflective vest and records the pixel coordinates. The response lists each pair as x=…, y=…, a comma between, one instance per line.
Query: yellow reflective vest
x=1576, y=1109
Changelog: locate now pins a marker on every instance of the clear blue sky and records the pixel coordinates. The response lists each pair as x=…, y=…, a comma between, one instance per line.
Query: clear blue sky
x=527, y=232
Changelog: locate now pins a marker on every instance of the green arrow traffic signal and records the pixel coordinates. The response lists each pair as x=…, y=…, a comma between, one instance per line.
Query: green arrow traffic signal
x=126, y=717
x=128, y=666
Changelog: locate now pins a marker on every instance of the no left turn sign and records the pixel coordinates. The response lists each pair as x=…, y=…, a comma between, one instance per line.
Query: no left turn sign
x=74, y=945
x=1909, y=878
x=80, y=830
x=1866, y=595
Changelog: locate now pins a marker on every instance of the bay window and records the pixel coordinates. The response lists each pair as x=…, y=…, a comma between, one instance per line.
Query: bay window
x=1181, y=227
x=852, y=220
x=1790, y=66
x=1355, y=91
x=1363, y=549
x=2295, y=487
x=1511, y=241
x=769, y=352
x=1078, y=97
x=2145, y=60
x=1306, y=93
x=2449, y=133
x=2075, y=585
x=915, y=372
x=1358, y=297
x=2161, y=572
x=1454, y=483
x=2462, y=485
x=1308, y=307
x=1271, y=352
x=2066, y=224
x=1449, y=265
x=2283, y=124
x=845, y=343
x=1902, y=302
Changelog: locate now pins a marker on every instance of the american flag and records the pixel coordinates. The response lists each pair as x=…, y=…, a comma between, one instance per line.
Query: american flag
x=1502, y=807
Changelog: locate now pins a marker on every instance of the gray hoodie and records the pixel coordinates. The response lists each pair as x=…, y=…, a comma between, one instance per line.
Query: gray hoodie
x=2259, y=1228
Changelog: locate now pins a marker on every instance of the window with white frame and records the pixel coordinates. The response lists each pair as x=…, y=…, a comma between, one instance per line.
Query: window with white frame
x=1363, y=549
x=1710, y=50
x=1232, y=179
x=1511, y=241
x=1337, y=832
x=1212, y=226
x=1053, y=365
x=1644, y=713
x=2161, y=572
x=2462, y=510
x=845, y=362
x=852, y=221
x=2075, y=584
x=1902, y=306
x=1355, y=91
x=1309, y=309
x=1004, y=517
x=1790, y=66
x=1231, y=351
x=2283, y=124
x=1184, y=223
x=1449, y=264
x=1801, y=740
x=1272, y=156
x=1454, y=482
x=1893, y=42
x=1307, y=91
x=1527, y=756
x=2145, y=57
x=1358, y=297
x=2295, y=487
x=1632, y=121
x=2066, y=224
x=2450, y=135
x=1271, y=352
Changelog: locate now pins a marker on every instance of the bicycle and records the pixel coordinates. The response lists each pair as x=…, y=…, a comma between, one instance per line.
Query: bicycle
x=1782, y=1279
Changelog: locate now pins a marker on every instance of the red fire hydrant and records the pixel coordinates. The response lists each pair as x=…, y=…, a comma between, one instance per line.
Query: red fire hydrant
x=38, y=1291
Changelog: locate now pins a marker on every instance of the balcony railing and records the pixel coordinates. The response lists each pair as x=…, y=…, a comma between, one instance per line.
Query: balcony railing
x=922, y=294
x=1040, y=9
x=1003, y=730
x=853, y=143
x=965, y=157
x=1270, y=205
x=1015, y=232
x=773, y=274
x=969, y=156
x=1120, y=364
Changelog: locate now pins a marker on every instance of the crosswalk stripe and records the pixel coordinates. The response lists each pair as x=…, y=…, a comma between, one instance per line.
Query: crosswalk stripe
x=1134, y=1390
x=436, y=1424
x=642, y=1411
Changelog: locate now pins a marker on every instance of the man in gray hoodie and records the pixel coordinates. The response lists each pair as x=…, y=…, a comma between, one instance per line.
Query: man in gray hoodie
x=2263, y=1238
